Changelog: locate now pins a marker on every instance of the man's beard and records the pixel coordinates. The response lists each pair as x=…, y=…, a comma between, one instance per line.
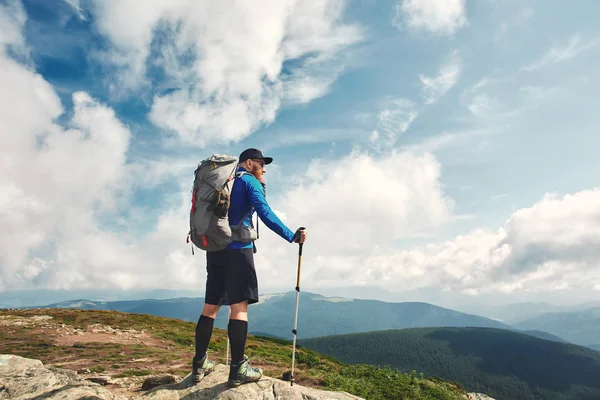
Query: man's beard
x=257, y=174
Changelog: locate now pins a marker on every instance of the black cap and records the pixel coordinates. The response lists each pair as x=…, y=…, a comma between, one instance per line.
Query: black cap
x=254, y=154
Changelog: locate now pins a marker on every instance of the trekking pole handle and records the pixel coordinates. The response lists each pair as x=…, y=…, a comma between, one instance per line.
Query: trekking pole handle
x=297, y=235
x=300, y=246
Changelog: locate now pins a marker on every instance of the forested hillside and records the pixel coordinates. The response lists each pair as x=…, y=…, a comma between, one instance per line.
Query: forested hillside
x=504, y=364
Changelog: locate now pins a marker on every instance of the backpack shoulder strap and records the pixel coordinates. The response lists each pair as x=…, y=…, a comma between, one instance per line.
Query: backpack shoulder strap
x=239, y=175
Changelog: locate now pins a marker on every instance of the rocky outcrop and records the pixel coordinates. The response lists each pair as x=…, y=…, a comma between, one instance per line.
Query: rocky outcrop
x=24, y=378
x=214, y=386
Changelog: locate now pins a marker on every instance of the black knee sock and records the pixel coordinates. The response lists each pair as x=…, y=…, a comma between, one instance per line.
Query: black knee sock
x=204, y=329
x=237, y=331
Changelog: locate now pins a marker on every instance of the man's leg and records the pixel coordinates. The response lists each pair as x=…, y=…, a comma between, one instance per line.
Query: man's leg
x=204, y=329
x=214, y=296
x=242, y=290
x=238, y=330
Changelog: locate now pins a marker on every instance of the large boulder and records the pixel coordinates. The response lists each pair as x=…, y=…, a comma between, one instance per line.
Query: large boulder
x=24, y=378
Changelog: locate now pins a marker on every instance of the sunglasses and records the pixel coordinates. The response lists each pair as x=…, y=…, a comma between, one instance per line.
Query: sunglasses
x=261, y=162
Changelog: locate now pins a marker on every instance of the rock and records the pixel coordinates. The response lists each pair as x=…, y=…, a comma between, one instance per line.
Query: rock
x=214, y=386
x=24, y=378
x=479, y=396
x=13, y=320
x=287, y=376
x=157, y=380
x=41, y=317
x=102, y=380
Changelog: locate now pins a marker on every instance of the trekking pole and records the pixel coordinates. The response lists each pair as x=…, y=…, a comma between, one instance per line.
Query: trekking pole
x=227, y=358
x=296, y=315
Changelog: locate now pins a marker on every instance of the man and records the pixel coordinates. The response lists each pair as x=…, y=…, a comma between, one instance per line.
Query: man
x=231, y=275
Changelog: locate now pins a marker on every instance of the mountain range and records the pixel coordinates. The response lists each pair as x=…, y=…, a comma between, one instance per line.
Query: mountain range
x=273, y=315
x=581, y=327
x=515, y=313
x=322, y=316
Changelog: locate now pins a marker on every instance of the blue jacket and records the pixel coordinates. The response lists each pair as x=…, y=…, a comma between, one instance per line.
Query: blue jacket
x=248, y=191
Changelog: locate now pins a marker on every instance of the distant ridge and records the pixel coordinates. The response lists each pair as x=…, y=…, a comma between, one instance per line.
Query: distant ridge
x=318, y=315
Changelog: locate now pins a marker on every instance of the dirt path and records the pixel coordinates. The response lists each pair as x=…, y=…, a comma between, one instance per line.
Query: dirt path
x=68, y=336
x=122, y=358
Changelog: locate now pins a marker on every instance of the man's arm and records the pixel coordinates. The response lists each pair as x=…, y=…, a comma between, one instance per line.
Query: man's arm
x=264, y=211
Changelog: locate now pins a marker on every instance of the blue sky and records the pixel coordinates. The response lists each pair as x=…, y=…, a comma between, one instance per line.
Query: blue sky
x=429, y=146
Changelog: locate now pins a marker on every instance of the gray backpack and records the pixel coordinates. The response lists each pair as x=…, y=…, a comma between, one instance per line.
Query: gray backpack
x=209, y=223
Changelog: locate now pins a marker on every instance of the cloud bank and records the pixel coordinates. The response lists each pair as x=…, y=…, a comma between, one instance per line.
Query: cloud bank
x=227, y=67
x=67, y=186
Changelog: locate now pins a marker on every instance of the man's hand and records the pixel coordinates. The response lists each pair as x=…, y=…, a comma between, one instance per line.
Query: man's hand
x=300, y=235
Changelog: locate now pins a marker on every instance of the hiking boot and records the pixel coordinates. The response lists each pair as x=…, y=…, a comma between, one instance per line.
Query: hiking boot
x=201, y=368
x=243, y=373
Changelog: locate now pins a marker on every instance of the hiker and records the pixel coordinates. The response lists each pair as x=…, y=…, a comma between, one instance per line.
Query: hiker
x=231, y=274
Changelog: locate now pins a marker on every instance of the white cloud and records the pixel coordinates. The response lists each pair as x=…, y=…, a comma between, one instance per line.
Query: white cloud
x=558, y=54
x=440, y=17
x=307, y=88
x=311, y=81
x=12, y=20
x=483, y=105
x=537, y=93
x=556, y=229
x=400, y=195
x=486, y=100
x=54, y=180
x=229, y=66
x=290, y=138
x=549, y=246
x=199, y=122
x=455, y=142
x=519, y=19
x=59, y=185
x=433, y=88
x=374, y=137
x=354, y=209
x=76, y=6
x=393, y=119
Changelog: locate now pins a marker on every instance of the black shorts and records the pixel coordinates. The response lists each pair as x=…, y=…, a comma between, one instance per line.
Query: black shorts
x=231, y=277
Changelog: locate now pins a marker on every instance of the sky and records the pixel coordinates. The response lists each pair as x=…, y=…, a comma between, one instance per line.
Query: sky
x=435, y=150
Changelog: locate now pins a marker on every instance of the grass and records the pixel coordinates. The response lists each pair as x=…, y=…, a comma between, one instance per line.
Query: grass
x=272, y=354
x=132, y=372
